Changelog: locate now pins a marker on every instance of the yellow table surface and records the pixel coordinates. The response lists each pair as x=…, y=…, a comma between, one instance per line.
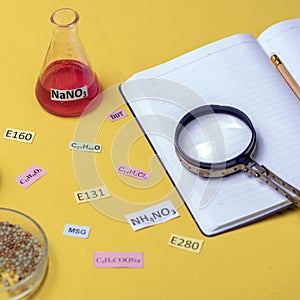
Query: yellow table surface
x=259, y=261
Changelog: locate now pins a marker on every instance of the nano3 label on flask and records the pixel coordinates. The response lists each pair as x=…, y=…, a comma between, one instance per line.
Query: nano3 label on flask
x=69, y=95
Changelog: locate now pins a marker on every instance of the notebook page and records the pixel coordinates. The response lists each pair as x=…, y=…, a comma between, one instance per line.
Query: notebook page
x=235, y=72
x=283, y=39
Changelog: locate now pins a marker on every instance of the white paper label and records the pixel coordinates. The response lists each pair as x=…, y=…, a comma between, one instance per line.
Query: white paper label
x=77, y=231
x=86, y=147
x=153, y=215
x=69, y=95
x=92, y=194
x=185, y=243
x=23, y=136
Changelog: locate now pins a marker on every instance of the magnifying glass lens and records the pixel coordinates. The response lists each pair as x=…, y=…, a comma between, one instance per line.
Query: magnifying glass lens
x=216, y=141
x=214, y=138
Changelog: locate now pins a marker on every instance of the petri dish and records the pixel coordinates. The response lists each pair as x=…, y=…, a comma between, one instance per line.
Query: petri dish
x=23, y=255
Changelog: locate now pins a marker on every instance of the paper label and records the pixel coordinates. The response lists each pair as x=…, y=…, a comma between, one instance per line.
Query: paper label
x=118, y=260
x=153, y=215
x=77, y=231
x=116, y=115
x=92, y=194
x=19, y=135
x=185, y=243
x=30, y=176
x=133, y=172
x=69, y=95
x=87, y=147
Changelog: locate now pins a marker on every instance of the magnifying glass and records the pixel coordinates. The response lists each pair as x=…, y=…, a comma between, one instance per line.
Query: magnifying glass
x=217, y=141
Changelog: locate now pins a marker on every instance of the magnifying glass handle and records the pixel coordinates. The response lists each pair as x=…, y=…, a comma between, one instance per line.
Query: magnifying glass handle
x=281, y=186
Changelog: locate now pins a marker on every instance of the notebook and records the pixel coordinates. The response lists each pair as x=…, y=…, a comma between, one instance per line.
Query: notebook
x=235, y=71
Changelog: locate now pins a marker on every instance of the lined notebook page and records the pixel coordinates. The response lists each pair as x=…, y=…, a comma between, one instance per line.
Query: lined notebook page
x=283, y=39
x=237, y=72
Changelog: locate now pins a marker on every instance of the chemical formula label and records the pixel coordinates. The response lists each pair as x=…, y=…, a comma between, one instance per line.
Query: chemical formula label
x=133, y=172
x=153, y=215
x=69, y=95
x=118, y=260
x=86, y=147
x=31, y=175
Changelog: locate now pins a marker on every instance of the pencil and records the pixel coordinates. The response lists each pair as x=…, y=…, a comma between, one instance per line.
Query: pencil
x=286, y=75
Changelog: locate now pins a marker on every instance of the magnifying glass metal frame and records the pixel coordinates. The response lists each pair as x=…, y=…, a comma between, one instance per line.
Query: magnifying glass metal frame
x=241, y=162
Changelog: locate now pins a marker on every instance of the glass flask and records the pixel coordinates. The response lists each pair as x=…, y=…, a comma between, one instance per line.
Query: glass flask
x=67, y=84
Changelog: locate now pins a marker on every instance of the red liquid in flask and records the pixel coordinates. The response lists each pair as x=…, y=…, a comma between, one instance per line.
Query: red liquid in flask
x=72, y=76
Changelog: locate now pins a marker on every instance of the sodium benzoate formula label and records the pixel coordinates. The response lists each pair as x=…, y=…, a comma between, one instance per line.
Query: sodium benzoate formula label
x=118, y=259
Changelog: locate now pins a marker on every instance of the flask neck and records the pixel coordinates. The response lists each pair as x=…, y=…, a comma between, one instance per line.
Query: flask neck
x=64, y=23
x=65, y=43
x=64, y=18
x=64, y=35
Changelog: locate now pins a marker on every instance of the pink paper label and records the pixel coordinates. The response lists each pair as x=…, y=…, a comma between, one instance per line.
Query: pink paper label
x=133, y=172
x=118, y=260
x=116, y=115
x=30, y=176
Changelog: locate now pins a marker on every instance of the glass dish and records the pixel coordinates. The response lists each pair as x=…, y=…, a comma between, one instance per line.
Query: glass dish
x=23, y=255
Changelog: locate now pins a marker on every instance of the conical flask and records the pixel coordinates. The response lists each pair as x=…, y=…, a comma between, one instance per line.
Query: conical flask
x=67, y=84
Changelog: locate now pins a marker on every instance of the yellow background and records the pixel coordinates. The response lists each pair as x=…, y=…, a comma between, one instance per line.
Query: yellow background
x=259, y=261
